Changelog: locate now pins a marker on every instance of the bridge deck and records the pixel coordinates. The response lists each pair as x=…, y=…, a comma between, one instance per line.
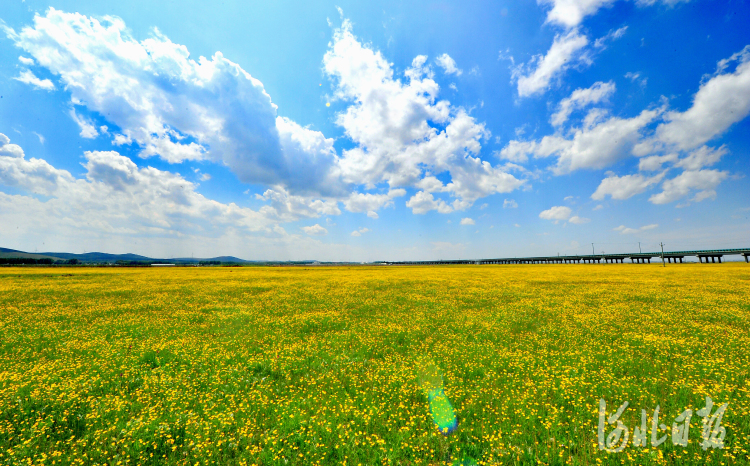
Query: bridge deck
x=635, y=257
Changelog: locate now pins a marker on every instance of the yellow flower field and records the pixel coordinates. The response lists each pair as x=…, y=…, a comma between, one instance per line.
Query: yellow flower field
x=319, y=365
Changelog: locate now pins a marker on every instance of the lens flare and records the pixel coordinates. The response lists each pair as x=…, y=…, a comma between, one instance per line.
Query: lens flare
x=440, y=406
x=465, y=462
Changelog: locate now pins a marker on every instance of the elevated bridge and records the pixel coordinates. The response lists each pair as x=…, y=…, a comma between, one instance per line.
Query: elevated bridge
x=703, y=255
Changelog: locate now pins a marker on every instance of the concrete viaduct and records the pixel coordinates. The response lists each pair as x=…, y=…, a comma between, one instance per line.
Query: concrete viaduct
x=704, y=256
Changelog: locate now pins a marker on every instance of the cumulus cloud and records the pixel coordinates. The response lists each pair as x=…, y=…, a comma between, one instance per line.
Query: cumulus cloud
x=27, y=77
x=175, y=107
x=360, y=232
x=625, y=187
x=704, y=156
x=510, y=204
x=535, y=77
x=655, y=162
x=402, y=131
x=467, y=221
x=365, y=202
x=720, y=102
x=569, y=48
x=445, y=62
x=288, y=207
x=570, y=13
x=595, y=145
x=315, y=230
x=26, y=61
x=117, y=197
x=9, y=150
x=678, y=140
x=556, y=213
x=581, y=98
x=629, y=231
x=703, y=181
x=423, y=202
x=373, y=214
x=178, y=108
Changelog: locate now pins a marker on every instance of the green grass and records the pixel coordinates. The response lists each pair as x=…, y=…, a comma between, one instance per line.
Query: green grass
x=287, y=366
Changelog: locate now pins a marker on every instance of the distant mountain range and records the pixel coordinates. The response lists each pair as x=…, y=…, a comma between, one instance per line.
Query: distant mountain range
x=103, y=258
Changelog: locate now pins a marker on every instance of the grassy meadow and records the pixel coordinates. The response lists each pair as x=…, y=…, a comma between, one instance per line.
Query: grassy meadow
x=319, y=365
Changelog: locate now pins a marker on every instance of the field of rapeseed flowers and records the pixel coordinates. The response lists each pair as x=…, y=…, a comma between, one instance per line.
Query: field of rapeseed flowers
x=291, y=366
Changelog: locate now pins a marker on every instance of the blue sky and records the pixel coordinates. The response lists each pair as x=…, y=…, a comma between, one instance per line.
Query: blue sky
x=374, y=130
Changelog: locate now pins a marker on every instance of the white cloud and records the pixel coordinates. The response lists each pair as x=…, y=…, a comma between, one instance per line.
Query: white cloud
x=579, y=220
x=27, y=77
x=510, y=204
x=396, y=126
x=364, y=202
x=423, y=202
x=564, y=52
x=636, y=77
x=580, y=98
x=556, y=213
x=704, y=181
x=669, y=3
x=117, y=198
x=26, y=61
x=88, y=130
x=570, y=13
x=9, y=150
x=315, y=230
x=445, y=62
x=632, y=76
x=592, y=146
x=601, y=42
x=598, y=207
x=629, y=231
x=625, y=187
x=654, y=162
x=41, y=137
x=290, y=207
x=719, y=103
x=179, y=109
x=517, y=225
x=176, y=107
x=360, y=232
x=372, y=214
x=703, y=156
x=467, y=221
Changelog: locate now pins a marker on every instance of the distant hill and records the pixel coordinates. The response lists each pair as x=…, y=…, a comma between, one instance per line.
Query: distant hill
x=98, y=257
x=6, y=253
x=102, y=257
